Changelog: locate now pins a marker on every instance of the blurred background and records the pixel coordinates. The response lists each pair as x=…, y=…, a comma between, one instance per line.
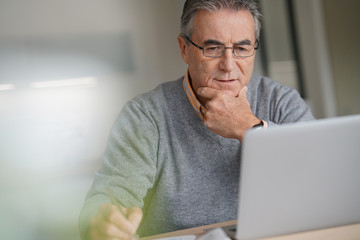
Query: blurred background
x=67, y=67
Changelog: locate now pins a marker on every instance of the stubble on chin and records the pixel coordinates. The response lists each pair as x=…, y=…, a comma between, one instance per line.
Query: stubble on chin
x=232, y=91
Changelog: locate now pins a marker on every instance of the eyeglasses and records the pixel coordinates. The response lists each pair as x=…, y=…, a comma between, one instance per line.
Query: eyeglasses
x=218, y=50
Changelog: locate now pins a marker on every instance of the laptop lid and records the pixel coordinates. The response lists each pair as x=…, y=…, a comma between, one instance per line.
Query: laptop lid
x=300, y=177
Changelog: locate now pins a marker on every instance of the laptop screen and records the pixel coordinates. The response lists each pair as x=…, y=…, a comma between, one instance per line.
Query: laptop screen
x=300, y=177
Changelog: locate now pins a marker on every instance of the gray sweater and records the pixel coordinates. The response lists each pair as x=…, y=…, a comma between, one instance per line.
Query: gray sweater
x=162, y=158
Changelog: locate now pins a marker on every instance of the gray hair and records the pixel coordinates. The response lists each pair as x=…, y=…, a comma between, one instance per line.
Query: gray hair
x=192, y=6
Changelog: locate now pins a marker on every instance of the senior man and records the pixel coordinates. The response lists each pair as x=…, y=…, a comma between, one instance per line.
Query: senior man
x=174, y=153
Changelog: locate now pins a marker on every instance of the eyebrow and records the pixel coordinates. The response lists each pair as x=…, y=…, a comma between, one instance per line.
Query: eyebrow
x=212, y=42
x=243, y=42
x=215, y=42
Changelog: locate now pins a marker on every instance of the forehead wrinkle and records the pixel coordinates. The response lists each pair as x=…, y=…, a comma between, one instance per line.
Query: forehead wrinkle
x=222, y=35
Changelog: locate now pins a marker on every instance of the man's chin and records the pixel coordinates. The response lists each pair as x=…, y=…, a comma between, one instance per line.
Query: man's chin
x=231, y=88
x=230, y=92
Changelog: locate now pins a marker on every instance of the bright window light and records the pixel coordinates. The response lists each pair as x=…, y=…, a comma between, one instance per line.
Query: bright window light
x=7, y=87
x=72, y=82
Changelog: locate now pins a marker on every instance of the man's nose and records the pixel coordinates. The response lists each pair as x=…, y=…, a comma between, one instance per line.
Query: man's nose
x=227, y=61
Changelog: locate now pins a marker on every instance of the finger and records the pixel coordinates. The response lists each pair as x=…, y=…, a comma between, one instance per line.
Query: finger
x=104, y=230
x=112, y=214
x=122, y=222
x=95, y=235
x=211, y=93
x=207, y=92
x=135, y=215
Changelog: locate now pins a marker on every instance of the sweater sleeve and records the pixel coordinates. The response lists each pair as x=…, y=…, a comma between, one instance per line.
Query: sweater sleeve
x=277, y=103
x=129, y=164
x=288, y=107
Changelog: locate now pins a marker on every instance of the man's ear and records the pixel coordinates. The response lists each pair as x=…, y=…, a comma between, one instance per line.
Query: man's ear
x=184, y=48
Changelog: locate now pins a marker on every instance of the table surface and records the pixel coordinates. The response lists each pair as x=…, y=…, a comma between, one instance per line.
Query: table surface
x=348, y=232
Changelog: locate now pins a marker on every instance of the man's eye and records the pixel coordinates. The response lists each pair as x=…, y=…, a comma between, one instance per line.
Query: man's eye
x=241, y=48
x=213, y=48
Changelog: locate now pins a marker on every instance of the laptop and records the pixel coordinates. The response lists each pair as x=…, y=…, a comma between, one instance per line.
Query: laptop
x=299, y=177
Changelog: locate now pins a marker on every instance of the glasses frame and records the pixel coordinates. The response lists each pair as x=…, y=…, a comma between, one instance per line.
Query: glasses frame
x=256, y=47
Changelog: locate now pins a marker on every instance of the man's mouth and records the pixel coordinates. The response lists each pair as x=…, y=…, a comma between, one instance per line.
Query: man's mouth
x=225, y=80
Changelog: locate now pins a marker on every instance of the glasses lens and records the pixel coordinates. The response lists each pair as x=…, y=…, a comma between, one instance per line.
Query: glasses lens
x=243, y=50
x=213, y=50
x=217, y=50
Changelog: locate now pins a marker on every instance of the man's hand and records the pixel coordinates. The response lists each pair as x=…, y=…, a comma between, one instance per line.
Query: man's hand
x=115, y=223
x=227, y=115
